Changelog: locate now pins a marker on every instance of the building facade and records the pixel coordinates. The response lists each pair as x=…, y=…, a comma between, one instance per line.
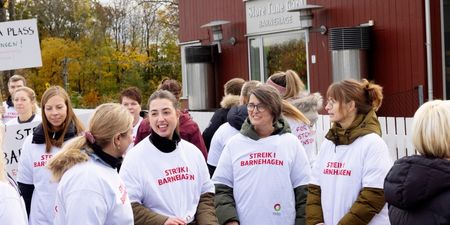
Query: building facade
x=408, y=53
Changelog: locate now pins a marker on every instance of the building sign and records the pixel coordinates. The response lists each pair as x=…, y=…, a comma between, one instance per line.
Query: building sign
x=267, y=16
x=19, y=45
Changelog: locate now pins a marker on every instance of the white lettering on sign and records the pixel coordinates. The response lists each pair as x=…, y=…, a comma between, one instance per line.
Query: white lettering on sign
x=272, y=15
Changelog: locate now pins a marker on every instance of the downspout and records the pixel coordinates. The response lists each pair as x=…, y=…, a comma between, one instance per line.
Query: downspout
x=428, y=47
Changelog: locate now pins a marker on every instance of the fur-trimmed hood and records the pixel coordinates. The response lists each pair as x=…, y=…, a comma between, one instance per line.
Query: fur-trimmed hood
x=309, y=105
x=229, y=101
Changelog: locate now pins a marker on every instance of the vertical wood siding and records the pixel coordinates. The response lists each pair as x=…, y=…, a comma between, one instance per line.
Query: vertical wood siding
x=397, y=58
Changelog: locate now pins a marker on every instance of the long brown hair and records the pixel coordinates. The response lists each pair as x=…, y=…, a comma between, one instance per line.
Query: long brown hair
x=71, y=118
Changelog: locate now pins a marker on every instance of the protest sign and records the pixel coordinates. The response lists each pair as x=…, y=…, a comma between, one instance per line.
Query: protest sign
x=16, y=134
x=19, y=45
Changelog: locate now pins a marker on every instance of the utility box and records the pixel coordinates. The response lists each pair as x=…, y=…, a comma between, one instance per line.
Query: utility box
x=201, y=78
x=349, y=46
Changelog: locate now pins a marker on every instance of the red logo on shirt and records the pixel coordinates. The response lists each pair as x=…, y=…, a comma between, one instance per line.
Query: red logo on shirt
x=176, y=174
x=42, y=161
x=123, y=193
x=262, y=158
x=337, y=169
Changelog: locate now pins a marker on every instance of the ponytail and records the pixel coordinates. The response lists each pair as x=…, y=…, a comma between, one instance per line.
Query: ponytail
x=374, y=94
x=69, y=156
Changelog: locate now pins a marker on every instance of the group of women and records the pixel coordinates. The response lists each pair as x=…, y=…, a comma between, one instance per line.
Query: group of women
x=263, y=174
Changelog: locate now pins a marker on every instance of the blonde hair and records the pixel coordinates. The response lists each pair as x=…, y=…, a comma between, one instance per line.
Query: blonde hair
x=107, y=121
x=247, y=87
x=289, y=80
x=430, y=129
x=31, y=94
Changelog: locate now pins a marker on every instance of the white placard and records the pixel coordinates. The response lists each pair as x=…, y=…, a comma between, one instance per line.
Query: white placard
x=19, y=45
x=15, y=136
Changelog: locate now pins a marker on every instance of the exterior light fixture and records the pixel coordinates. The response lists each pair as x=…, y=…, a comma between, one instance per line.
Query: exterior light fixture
x=216, y=27
x=306, y=16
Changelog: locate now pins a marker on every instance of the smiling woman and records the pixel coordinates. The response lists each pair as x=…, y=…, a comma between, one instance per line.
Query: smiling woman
x=24, y=100
x=163, y=164
x=58, y=125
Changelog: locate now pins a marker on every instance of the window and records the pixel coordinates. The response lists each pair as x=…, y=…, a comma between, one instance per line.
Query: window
x=279, y=52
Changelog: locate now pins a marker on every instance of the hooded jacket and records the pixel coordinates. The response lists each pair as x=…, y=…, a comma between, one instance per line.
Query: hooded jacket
x=417, y=189
x=219, y=117
x=309, y=105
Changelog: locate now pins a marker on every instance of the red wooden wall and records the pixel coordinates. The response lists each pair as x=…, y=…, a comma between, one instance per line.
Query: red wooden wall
x=397, y=58
x=233, y=61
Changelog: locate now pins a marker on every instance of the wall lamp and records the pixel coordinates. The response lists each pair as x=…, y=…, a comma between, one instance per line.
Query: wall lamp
x=306, y=16
x=216, y=28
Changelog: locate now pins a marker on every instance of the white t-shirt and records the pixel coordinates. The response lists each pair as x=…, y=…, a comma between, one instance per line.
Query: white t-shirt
x=307, y=137
x=32, y=170
x=218, y=142
x=10, y=113
x=342, y=171
x=263, y=175
x=15, y=121
x=167, y=183
x=92, y=193
x=12, y=207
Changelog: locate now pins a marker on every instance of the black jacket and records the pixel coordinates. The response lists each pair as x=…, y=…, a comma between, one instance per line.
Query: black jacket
x=219, y=117
x=235, y=117
x=418, y=191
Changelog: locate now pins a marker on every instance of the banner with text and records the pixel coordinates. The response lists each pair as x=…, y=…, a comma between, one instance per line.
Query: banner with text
x=15, y=136
x=19, y=45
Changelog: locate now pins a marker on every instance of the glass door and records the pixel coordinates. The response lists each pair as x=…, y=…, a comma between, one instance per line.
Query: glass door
x=279, y=52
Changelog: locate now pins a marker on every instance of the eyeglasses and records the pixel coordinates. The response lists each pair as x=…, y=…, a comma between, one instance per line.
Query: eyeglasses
x=258, y=107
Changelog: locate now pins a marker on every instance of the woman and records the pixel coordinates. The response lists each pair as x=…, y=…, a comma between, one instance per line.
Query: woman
x=166, y=177
x=58, y=125
x=188, y=128
x=130, y=98
x=263, y=171
x=293, y=90
x=347, y=184
x=24, y=100
x=90, y=190
x=232, y=90
x=418, y=187
x=12, y=207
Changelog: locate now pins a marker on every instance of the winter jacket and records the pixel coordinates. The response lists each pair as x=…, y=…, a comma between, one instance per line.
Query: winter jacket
x=219, y=117
x=188, y=128
x=309, y=105
x=417, y=189
x=145, y=216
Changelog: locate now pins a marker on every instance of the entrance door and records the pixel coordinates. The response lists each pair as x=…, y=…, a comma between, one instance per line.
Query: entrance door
x=278, y=52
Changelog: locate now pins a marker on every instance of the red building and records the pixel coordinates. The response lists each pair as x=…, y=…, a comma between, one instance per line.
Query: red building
x=263, y=37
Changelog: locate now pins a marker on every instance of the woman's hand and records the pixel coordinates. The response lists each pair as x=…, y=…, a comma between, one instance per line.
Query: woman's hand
x=175, y=221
